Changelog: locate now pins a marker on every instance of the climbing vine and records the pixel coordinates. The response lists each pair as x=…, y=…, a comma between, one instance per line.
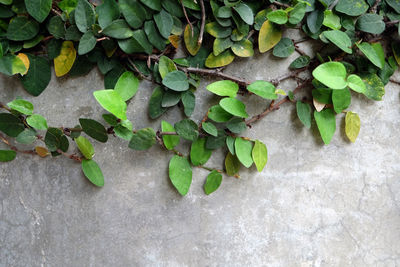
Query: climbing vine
x=132, y=40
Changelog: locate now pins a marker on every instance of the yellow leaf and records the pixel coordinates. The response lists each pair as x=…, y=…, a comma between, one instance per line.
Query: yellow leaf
x=244, y=48
x=269, y=36
x=63, y=63
x=25, y=60
x=353, y=125
x=42, y=151
x=191, y=40
x=221, y=60
x=175, y=40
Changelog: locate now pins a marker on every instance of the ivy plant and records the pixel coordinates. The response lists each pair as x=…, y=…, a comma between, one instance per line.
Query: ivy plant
x=356, y=50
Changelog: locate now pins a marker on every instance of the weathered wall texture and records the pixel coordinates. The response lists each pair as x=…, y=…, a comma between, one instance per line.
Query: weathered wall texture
x=313, y=205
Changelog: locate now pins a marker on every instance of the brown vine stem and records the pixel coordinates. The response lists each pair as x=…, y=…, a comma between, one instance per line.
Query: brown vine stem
x=102, y=39
x=394, y=81
x=374, y=8
x=203, y=22
x=280, y=4
x=274, y=106
x=5, y=107
x=187, y=18
x=5, y=141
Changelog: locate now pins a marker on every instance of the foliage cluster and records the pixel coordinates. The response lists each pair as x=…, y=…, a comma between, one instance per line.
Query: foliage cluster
x=133, y=40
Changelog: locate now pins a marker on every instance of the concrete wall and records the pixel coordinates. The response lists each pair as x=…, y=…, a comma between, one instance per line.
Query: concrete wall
x=313, y=205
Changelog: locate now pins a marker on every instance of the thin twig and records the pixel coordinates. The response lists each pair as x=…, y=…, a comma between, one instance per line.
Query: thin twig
x=374, y=8
x=394, y=81
x=187, y=18
x=203, y=22
x=275, y=106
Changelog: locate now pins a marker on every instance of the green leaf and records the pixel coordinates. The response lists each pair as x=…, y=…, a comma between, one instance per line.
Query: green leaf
x=213, y=181
x=10, y=125
x=134, y=13
x=304, y=113
x=7, y=155
x=260, y=155
x=153, y=4
x=176, y=80
x=72, y=33
x=118, y=29
x=224, y=88
x=326, y=123
x=37, y=121
x=371, y=23
x=263, y=89
x=11, y=64
x=331, y=74
x=189, y=102
x=269, y=36
x=55, y=139
x=352, y=127
x=278, y=16
x=297, y=14
x=341, y=99
x=22, y=106
x=243, y=149
x=107, y=12
x=315, y=20
x=164, y=23
x=331, y=20
x=234, y=107
x=340, y=39
x=374, y=53
x=187, y=129
x=221, y=44
x=245, y=13
x=352, y=7
x=218, y=114
x=111, y=101
x=94, y=129
x=155, y=108
x=170, y=98
x=217, y=31
x=93, y=172
x=127, y=85
x=356, y=83
x=300, y=62
x=374, y=87
x=284, y=48
x=28, y=136
x=170, y=141
x=232, y=165
x=395, y=4
x=165, y=66
x=22, y=28
x=38, y=76
x=56, y=27
x=67, y=5
x=85, y=147
x=210, y=128
x=38, y=9
x=138, y=43
x=180, y=174
x=84, y=15
x=230, y=144
x=87, y=43
x=143, y=139
x=236, y=125
x=154, y=36
x=199, y=154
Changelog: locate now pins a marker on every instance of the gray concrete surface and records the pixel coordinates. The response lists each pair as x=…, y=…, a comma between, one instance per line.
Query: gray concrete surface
x=313, y=205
